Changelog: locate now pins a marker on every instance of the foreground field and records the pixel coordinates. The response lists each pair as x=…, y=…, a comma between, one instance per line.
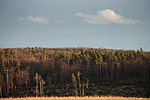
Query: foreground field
x=76, y=98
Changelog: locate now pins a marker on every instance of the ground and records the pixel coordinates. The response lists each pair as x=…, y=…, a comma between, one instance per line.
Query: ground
x=77, y=98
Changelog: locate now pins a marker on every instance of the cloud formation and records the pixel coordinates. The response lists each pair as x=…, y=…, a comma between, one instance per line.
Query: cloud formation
x=39, y=19
x=36, y=19
x=106, y=16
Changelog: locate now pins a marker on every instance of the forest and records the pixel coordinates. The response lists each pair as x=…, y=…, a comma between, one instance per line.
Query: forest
x=81, y=71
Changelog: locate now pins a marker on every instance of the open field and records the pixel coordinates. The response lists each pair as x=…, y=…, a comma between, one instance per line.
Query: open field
x=77, y=98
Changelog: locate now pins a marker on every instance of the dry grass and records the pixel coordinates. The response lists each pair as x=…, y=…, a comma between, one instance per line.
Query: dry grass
x=76, y=98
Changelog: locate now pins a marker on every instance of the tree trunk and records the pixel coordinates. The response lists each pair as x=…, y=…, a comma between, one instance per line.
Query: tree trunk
x=37, y=92
x=83, y=89
x=100, y=72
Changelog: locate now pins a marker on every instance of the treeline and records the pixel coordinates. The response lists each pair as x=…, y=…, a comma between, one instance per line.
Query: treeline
x=55, y=66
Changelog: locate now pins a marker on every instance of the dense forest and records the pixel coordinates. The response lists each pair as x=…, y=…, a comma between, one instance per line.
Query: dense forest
x=74, y=72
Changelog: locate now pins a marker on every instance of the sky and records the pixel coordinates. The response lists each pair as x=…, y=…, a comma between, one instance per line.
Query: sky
x=114, y=24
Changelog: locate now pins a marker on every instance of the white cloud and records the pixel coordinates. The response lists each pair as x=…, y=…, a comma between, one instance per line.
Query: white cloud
x=106, y=16
x=39, y=19
x=36, y=19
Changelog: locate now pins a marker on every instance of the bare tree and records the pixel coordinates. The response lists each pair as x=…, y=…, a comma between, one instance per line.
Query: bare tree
x=37, y=91
x=87, y=84
x=42, y=87
x=7, y=81
x=40, y=83
x=74, y=80
x=79, y=82
x=83, y=89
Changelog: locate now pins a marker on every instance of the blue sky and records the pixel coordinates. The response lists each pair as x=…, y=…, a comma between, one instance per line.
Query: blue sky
x=115, y=24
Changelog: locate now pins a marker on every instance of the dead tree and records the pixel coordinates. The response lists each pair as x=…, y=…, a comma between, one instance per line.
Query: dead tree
x=75, y=84
x=83, y=89
x=37, y=91
x=79, y=82
x=42, y=87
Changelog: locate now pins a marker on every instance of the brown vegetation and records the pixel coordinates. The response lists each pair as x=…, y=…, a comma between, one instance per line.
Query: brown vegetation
x=103, y=72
